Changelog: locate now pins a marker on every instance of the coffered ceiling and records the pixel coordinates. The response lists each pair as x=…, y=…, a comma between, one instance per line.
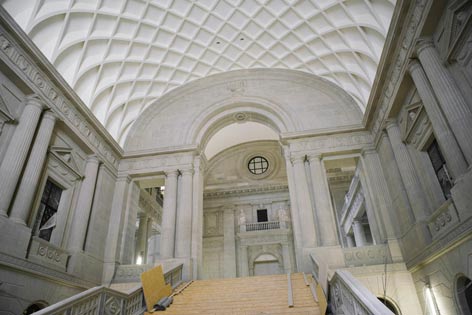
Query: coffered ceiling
x=120, y=56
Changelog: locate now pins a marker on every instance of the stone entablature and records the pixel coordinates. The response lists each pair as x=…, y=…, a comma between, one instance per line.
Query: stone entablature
x=76, y=115
x=245, y=191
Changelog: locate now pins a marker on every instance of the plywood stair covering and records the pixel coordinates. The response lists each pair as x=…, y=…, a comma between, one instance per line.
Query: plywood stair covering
x=245, y=296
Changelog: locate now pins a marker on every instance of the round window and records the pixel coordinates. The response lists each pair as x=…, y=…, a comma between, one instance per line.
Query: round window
x=258, y=165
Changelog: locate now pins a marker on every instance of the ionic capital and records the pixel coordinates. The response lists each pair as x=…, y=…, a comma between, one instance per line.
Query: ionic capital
x=424, y=43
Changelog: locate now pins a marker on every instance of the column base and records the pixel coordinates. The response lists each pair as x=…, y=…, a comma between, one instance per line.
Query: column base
x=15, y=238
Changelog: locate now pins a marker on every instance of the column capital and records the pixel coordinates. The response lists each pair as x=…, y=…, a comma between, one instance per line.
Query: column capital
x=424, y=42
x=49, y=114
x=390, y=123
x=34, y=100
x=171, y=173
x=368, y=150
x=187, y=171
x=93, y=158
x=297, y=158
x=414, y=65
x=314, y=157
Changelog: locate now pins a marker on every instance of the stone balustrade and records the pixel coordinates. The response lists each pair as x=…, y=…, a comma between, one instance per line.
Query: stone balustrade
x=262, y=226
x=102, y=300
x=348, y=295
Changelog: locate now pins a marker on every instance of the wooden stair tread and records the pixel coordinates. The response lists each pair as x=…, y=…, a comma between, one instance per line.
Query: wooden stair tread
x=257, y=295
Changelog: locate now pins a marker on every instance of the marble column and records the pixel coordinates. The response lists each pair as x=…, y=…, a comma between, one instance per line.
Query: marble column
x=84, y=204
x=229, y=246
x=197, y=216
x=244, y=263
x=407, y=170
x=21, y=207
x=359, y=233
x=350, y=241
x=183, y=233
x=147, y=240
x=450, y=149
x=451, y=100
x=169, y=215
x=15, y=157
x=323, y=207
x=308, y=232
x=141, y=239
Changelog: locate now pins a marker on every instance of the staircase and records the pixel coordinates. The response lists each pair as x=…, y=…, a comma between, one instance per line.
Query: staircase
x=246, y=296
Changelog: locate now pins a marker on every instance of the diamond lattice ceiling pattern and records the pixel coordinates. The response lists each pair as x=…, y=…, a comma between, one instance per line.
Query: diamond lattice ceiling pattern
x=122, y=55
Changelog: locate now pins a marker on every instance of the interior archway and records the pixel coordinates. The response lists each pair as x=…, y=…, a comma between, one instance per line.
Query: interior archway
x=463, y=294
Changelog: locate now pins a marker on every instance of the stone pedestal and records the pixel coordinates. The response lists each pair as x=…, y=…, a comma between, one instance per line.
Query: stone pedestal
x=21, y=207
x=168, y=215
x=15, y=157
x=84, y=205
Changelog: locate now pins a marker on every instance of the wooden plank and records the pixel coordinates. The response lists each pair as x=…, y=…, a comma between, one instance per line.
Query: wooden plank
x=322, y=299
x=154, y=286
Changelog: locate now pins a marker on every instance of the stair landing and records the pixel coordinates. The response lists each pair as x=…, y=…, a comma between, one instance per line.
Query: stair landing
x=258, y=295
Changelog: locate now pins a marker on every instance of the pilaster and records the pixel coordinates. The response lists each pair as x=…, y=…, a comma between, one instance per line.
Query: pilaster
x=229, y=243
x=84, y=204
x=323, y=206
x=183, y=234
x=169, y=215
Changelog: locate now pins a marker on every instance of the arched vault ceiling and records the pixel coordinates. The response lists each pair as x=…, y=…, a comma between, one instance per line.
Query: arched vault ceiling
x=122, y=55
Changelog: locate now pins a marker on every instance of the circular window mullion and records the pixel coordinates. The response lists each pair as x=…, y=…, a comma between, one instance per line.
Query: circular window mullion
x=258, y=165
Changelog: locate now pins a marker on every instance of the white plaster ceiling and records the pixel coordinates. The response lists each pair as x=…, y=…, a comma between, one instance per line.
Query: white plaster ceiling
x=120, y=56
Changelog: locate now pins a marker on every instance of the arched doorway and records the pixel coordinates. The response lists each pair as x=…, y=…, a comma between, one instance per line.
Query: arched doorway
x=463, y=293
x=390, y=305
x=34, y=307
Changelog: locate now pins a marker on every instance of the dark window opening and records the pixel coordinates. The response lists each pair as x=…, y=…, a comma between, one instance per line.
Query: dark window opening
x=46, y=219
x=439, y=165
x=258, y=165
x=262, y=215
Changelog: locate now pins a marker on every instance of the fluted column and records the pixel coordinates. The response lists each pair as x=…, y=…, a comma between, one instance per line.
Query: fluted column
x=29, y=182
x=450, y=149
x=308, y=233
x=84, y=204
x=183, y=234
x=453, y=104
x=323, y=208
x=359, y=233
x=15, y=157
x=168, y=215
x=408, y=173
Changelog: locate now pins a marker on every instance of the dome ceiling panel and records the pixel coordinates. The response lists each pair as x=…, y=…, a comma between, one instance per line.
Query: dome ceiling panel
x=122, y=55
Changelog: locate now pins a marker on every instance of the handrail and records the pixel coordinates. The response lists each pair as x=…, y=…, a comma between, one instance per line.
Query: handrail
x=102, y=300
x=289, y=291
x=349, y=296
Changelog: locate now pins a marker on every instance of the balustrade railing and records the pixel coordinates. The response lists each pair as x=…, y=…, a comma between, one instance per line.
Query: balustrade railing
x=347, y=295
x=102, y=300
x=261, y=226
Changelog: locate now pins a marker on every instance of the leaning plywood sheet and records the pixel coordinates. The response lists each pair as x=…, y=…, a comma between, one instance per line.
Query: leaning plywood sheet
x=323, y=303
x=154, y=286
